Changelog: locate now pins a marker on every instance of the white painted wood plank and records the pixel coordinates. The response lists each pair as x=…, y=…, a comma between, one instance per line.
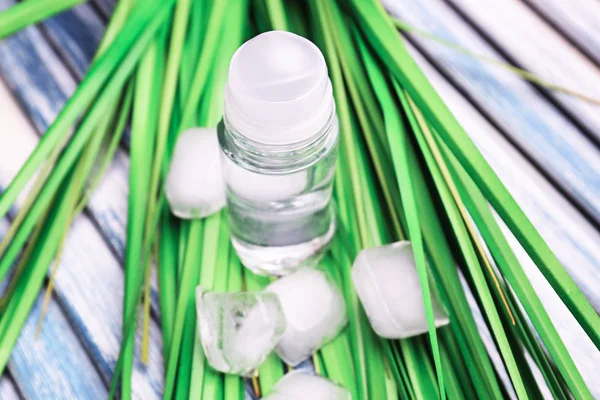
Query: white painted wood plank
x=8, y=391
x=534, y=45
x=575, y=242
x=579, y=20
x=563, y=152
x=89, y=284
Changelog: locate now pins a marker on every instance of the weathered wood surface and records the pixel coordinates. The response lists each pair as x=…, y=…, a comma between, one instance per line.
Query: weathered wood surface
x=55, y=364
x=578, y=20
x=527, y=40
x=573, y=239
x=67, y=31
x=546, y=135
x=42, y=82
x=42, y=65
x=89, y=284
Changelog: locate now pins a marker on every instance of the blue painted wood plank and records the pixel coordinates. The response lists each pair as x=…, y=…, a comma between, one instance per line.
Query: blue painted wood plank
x=25, y=60
x=533, y=44
x=89, y=284
x=96, y=309
x=42, y=84
x=8, y=390
x=556, y=145
x=571, y=237
x=579, y=20
x=106, y=6
x=75, y=35
x=84, y=24
x=54, y=366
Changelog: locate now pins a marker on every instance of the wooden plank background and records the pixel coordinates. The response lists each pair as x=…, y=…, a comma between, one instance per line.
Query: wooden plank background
x=543, y=145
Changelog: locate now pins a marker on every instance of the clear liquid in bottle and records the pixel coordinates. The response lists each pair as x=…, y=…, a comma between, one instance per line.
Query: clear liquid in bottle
x=279, y=143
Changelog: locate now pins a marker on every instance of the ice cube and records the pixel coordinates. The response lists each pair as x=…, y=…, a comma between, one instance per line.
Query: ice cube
x=314, y=309
x=195, y=187
x=299, y=385
x=387, y=284
x=238, y=330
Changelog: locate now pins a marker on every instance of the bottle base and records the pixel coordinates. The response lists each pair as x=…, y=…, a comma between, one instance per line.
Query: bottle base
x=283, y=260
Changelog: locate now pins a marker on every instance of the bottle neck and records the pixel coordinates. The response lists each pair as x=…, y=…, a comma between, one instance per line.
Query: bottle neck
x=277, y=158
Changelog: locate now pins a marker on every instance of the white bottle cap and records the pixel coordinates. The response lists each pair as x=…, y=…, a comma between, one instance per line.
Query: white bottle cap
x=278, y=91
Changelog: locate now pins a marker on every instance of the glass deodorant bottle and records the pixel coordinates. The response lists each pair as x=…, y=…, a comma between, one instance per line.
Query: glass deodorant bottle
x=279, y=143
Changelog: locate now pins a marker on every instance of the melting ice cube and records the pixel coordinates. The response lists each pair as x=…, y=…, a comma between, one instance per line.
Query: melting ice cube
x=299, y=385
x=195, y=187
x=387, y=284
x=238, y=330
x=314, y=309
